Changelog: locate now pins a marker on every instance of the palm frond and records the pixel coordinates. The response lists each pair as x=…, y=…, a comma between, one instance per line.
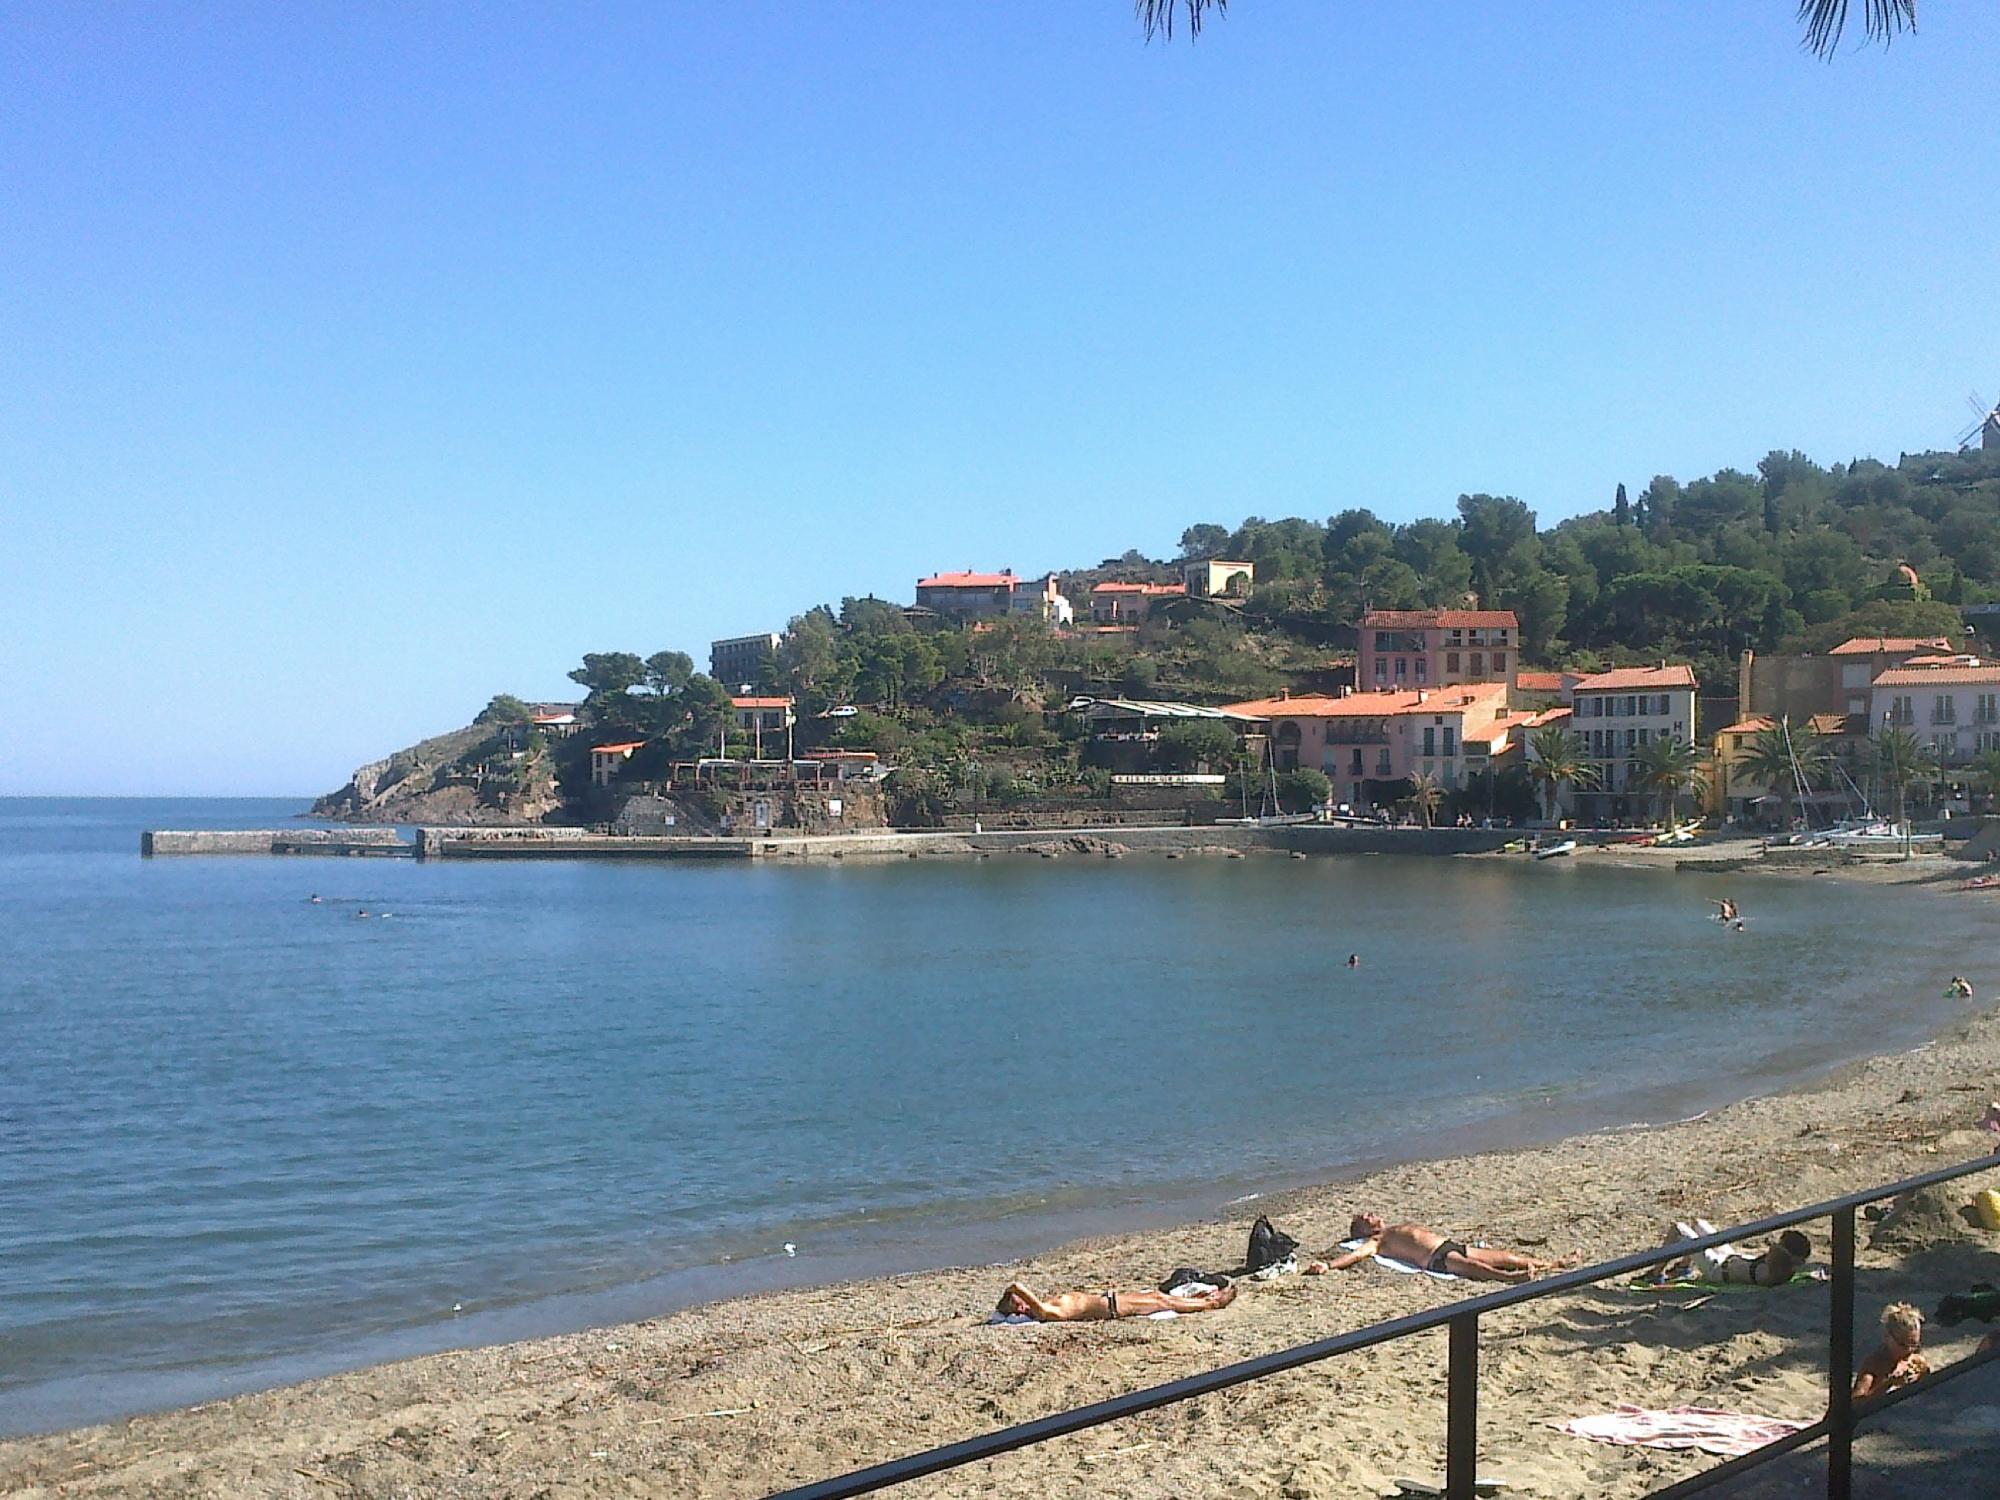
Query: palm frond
x=1825, y=20
x=1156, y=17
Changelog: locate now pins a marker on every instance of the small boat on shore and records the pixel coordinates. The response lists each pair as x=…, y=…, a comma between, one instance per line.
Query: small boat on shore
x=1555, y=851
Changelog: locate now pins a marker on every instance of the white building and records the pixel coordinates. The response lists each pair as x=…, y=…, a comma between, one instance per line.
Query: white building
x=1614, y=713
x=1955, y=710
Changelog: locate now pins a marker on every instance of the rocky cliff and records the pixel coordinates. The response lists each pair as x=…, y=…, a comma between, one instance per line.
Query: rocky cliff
x=482, y=774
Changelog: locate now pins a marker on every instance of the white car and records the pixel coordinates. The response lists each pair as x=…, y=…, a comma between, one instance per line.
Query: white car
x=845, y=711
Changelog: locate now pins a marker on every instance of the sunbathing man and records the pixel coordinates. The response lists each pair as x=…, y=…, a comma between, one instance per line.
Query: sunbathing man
x=1423, y=1247
x=1087, y=1307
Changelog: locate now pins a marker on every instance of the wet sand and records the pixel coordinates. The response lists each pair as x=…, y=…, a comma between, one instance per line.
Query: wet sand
x=743, y=1397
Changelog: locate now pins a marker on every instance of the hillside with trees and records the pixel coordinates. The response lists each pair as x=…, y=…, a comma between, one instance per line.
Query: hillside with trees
x=1795, y=556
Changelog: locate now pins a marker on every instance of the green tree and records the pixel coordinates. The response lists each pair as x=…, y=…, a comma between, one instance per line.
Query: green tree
x=1669, y=769
x=1203, y=540
x=1901, y=762
x=1555, y=760
x=1787, y=758
x=1984, y=773
x=609, y=673
x=1190, y=744
x=668, y=671
x=1426, y=794
x=503, y=708
x=1303, y=790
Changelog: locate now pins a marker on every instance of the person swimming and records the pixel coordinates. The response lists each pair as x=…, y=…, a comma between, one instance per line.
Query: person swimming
x=1354, y=960
x=1960, y=988
x=313, y=899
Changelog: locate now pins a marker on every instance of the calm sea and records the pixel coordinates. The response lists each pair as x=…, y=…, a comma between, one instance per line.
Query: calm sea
x=245, y=1138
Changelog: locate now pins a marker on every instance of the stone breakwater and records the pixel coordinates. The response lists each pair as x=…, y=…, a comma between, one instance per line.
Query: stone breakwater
x=572, y=843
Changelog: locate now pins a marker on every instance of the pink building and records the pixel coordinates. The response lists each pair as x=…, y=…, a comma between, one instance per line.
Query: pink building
x=1129, y=603
x=989, y=596
x=1406, y=649
x=1368, y=744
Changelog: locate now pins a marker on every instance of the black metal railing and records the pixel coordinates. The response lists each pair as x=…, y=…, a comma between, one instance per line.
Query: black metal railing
x=1461, y=1323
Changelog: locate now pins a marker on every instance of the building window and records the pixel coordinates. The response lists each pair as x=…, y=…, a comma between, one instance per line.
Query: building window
x=1381, y=640
x=1382, y=762
x=1450, y=739
x=1423, y=663
x=1478, y=665
x=1451, y=663
x=1499, y=663
x=1902, y=710
x=1944, y=709
x=1645, y=735
x=1381, y=669
x=1631, y=739
x=1988, y=711
x=1354, y=766
x=1430, y=741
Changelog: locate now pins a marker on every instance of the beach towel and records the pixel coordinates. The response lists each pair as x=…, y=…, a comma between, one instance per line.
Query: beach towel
x=1811, y=1276
x=1400, y=1267
x=1729, y=1434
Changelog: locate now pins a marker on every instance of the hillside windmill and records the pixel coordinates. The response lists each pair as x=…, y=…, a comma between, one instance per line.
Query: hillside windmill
x=1985, y=424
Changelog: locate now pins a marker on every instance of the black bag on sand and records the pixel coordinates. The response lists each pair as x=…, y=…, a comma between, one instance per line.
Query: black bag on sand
x=1268, y=1245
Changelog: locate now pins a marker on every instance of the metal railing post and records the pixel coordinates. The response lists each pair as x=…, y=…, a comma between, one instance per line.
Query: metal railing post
x=1461, y=1431
x=1840, y=1362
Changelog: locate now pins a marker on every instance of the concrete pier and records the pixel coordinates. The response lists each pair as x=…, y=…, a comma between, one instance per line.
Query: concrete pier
x=378, y=842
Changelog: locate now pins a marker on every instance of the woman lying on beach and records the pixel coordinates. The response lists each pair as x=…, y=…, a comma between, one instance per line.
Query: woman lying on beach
x=1779, y=1263
x=1096, y=1307
x=1423, y=1247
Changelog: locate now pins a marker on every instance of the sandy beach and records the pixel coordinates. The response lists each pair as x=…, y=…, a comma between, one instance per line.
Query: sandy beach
x=744, y=1397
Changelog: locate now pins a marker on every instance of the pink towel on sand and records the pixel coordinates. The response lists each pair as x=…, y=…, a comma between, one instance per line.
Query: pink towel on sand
x=1728, y=1433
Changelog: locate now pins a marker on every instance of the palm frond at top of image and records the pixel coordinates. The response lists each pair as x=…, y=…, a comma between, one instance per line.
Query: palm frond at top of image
x=1825, y=22
x=1156, y=17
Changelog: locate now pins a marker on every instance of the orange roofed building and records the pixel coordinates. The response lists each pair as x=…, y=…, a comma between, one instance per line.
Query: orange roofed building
x=1403, y=650
x=1370, y=744
x=1129, y=603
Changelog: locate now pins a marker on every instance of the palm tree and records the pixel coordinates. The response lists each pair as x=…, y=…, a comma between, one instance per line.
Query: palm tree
x=1785, y=759
x=1425, y=795
x=1902, y=760
x=1824, y=20
x=1555, y=761
x=1669, y=769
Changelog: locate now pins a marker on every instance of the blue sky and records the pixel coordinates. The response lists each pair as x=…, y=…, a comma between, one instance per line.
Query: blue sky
x=359, y=363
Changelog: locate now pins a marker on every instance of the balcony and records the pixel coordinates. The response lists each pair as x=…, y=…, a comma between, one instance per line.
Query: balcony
x=1943, y=716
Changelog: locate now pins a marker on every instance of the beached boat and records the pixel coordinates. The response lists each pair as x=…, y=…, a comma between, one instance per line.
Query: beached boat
x=1879, y=834
x=1556, y=851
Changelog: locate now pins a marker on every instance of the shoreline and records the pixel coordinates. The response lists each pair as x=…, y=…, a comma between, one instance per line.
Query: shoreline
x=644, y=1388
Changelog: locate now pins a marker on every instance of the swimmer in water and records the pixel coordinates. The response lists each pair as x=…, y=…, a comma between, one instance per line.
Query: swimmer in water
x=1960, y=988
x=1354, y=960
x=314, y=898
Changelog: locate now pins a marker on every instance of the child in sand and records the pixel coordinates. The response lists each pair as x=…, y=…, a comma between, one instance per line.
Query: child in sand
x=1896, y=1362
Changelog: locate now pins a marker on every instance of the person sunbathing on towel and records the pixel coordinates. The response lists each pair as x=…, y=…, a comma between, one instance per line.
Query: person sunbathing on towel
x=1423, y=1247
x=1087, y=1307
x=1778, y=1264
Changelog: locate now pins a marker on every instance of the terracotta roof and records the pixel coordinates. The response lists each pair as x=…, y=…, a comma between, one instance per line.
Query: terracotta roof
x=968, y=581
x=1941, y=661
x=1539, y=682
x=761, y=702
x=1139, y=588
x=1756, y=725
x=1419, y=619
x=1830, y=723
x=1939, y=676
x=1546, y=716
x=1372, y=705
x=1618, y=679
x=1870, y=645
x=625, y=747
